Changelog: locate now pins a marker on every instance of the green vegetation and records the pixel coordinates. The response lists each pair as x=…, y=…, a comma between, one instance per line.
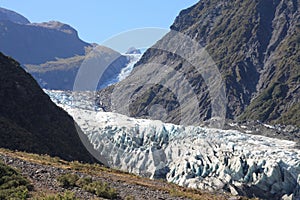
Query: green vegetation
x=130, y=198
x=271, y=103
x=68, y=180
x=263, y=108
x=12, y=184
x=59, y=64
x=84, y=181
x=95, y=187
x=65, y=196
x=255, y=60
x=101, y=190
x=237, y=27
x=292, y=116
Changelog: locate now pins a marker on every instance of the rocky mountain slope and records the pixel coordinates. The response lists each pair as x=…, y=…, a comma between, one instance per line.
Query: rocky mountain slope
x=61, y=74
x=255, y=47
x=30, y=122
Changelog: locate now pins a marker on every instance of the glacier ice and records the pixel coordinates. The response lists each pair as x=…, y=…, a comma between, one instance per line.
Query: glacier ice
x=134, y=58
x=195, y=157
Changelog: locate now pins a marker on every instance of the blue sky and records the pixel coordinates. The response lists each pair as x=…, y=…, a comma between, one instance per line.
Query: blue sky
x=97, y=20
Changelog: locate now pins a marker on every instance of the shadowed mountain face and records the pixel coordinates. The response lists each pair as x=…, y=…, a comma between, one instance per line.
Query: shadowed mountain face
x=29, y=121
x=256, y=48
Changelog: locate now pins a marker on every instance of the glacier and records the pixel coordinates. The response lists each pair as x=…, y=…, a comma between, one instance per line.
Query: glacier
x=195, y=157
x=125, y=71
x=133, y=59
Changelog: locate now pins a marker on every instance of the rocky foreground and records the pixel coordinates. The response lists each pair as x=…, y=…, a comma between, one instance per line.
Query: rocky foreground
x=43, y=171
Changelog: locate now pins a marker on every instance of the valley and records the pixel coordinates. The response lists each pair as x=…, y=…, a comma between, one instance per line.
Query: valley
x=196, y=157
x=210, y=111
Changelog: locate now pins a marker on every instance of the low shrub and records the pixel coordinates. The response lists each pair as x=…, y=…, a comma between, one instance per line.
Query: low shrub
x=68, y=180
x=130, y=198
x=101, y=190
x=86, y=183
x=65, y=196
x=12, y=184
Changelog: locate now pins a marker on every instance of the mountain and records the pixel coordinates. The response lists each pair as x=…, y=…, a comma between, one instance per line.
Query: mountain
x=133, y=50
x=53, y=53
x=255, y=47
x=9, y=15
x=30, y=122
x=34, y=43
x=60, y=74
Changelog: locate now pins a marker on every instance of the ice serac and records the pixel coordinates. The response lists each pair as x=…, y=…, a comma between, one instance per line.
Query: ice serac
x=191, y=156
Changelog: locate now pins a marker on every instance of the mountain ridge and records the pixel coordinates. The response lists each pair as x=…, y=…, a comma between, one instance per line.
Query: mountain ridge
x=255, y=45
x=61, y=74
x=53, y=53
x=9, y=15
x=36, y=43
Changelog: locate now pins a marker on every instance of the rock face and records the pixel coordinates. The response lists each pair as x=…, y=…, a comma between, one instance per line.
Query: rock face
x=33, y=43
x=192, y=156
x=30, y=122
x=255, y=46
